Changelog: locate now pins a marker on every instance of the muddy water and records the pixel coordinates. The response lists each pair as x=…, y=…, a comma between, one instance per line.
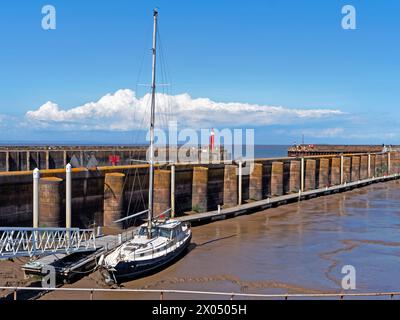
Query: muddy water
x=297, y=248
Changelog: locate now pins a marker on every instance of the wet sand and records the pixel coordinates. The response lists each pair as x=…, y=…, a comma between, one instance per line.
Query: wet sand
x=11, y=275
x=297, y=248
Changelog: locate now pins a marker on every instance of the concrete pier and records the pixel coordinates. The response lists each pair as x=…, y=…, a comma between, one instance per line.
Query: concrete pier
x=355, y=168
x=378, y=165
x=113, y=199
x=395, y=163
x=310, y=174
x=277, y=178
x=346, y=169
x=294, y=180
x=162, y=191
x=372, y=166
x=200, y=189
x=323, y=176
x=385, y=164
x=335, y=171
x=51, y=209
x=255, y=182
x=363, y=167
x=230, y=186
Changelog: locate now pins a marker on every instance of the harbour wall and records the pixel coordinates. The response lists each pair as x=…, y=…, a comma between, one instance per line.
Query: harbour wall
x=103, y=195
x=51, y=157
x=26, y=158
x=326, y=149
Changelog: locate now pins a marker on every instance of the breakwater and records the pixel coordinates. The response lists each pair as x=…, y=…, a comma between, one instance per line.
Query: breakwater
x=326, y=149
x=26, y=158
x=103, y=194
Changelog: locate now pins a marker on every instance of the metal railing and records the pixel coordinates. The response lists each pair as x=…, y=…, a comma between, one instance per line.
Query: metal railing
x=29, y=242
x=229, y=295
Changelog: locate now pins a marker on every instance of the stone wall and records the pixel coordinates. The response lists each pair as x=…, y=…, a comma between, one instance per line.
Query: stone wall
x=198, y=188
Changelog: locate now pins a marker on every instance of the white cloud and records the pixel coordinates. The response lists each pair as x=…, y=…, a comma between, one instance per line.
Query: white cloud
x=124, y=111
x=325, y=133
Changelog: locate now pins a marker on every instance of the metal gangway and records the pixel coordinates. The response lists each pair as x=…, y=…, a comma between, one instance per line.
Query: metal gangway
x=30, y=242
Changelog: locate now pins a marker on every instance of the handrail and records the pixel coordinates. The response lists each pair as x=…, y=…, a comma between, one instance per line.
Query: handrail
x=231, y=295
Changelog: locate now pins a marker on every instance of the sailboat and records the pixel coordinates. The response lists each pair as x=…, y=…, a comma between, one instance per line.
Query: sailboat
x=158, y=241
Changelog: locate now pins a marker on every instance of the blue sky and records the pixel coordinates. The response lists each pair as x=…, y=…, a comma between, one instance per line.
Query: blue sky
x=286, y=53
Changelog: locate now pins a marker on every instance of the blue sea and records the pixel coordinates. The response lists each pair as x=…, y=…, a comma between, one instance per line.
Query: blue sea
x=270, y=151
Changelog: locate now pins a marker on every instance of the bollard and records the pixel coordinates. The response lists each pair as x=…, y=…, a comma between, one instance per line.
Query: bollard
x=255, y=182
x=335, y=171
x=277, y=178
x=347, y=169
x=162, y=191
x=310, y=174
x=355, y=168
x=200, y=189
x=323, y=174
x=363, y=167
x=113, y=199
x=295, y=176
x=230, y=186
x=51, y=198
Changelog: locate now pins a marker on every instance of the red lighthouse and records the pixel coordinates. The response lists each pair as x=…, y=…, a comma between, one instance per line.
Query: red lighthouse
x=212, y=140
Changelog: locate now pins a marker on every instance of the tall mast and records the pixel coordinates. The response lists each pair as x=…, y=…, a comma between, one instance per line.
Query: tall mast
x=152, y=120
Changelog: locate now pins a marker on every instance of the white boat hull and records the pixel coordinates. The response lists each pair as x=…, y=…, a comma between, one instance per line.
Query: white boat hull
x=129, y=270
